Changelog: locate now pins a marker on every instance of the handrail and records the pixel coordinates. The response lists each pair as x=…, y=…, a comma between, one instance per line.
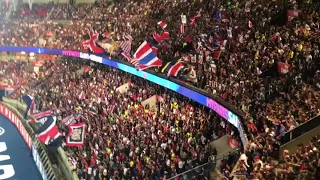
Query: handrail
x=299, y=130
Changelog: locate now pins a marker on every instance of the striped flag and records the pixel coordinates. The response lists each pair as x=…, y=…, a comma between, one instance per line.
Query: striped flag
x=182, y=28
x=125, y=45
x=111, y=109
x=172, y=68
x=146, y=57
x=31, y=107
x=133, y=61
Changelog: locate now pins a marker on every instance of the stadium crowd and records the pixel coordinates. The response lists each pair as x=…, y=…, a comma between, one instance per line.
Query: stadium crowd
x=124, y=138
x=244, y=74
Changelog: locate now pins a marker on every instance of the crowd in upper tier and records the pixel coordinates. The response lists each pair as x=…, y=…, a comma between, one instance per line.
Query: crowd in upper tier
x=245, y=74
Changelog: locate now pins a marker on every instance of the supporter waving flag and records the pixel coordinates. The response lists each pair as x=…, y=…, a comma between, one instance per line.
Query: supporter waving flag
x=156, y=37
x=70, y=119
x=165, y=35
x=49, y=134
x=41, y=117
x=162, y=24
x=194, y=18
x=91, y=43
x=125, y=45
x=76, y=134
x=146, y=57
x=173, y=68
x=133, y=61
x=30, y=102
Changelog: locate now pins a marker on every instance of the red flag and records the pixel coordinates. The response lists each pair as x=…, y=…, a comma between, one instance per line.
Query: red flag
x=133, y=61
x=283, y=67
x=91, y=43
x=165, y=35
x=155, y=50
x=250, y=24
x=162, y=24
x=156, y=37
x=216, y=55
x=193, y=19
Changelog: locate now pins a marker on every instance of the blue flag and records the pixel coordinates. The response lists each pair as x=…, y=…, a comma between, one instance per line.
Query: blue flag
x=49, y=134
x=218, y=15
x=29, y=100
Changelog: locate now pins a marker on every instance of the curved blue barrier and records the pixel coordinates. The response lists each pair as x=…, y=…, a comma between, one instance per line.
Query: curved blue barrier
x=16, y=161
x=200, y=98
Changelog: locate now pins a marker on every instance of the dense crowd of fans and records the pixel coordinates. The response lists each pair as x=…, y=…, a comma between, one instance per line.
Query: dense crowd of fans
x=303, y=164
x=130, y=140
x=244, y=74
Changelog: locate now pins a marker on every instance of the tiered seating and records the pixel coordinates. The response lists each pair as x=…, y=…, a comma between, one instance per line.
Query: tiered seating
x=273, y=104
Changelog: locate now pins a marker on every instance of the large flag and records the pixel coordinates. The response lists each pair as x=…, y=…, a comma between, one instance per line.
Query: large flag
x=91, y=43
x=76, y=134
x=146, y=57
x=49, y=134
x=41, y=117
x=125, y=45
x=30, y=102
x=172, y=68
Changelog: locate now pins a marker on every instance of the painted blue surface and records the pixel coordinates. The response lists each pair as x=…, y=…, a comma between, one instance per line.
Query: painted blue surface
x=19, y=152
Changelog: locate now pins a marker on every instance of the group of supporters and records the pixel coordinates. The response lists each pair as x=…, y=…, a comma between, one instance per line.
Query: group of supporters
x=124, y=137
x=238, y=50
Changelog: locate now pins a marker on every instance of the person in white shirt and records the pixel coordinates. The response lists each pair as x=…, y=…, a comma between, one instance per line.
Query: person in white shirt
x=244, y=158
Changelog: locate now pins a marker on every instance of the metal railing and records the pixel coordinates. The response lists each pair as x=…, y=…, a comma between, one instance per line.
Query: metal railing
x=200, y=172
x=300, y=130
x=204, y=171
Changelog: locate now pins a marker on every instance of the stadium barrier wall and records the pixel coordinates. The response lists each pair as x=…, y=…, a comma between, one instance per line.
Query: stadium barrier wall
x=17, y=107
x=300, y=130
x=215, y=103
x=43, y=164
x=299, y=135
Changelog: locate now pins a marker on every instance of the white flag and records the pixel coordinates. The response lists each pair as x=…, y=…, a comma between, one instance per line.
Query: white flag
x=183, y=19
x=30, y=4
